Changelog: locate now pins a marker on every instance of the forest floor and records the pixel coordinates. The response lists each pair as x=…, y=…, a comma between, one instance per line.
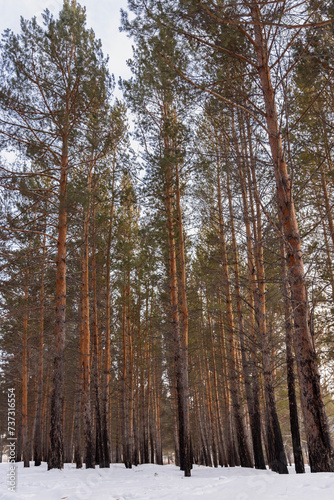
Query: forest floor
x=148, y=482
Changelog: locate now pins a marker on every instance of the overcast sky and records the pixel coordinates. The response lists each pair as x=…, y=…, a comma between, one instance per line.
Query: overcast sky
x=102, y=15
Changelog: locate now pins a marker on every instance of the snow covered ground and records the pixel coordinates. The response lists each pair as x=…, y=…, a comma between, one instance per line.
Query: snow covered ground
x=148, y=482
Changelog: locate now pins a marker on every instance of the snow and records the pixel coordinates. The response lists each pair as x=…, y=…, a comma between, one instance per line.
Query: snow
x=148, y=482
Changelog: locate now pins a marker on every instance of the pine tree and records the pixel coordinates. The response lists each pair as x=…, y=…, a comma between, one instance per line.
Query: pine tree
x=53, y=78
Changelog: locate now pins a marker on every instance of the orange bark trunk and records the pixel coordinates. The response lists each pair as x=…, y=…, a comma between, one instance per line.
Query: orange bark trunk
x=56, y=455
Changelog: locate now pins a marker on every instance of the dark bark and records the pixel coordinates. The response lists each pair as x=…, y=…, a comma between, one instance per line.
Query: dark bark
x=294, y=420
x=179, y=332
x=185, y=458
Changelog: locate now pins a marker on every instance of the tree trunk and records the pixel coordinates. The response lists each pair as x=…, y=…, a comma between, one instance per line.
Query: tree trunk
x=315, y=419
x=205, y=458
x=210, y=420
x=130, y=442
x=253, y=344
x=77, y=422
x=294, y=421
x=25, y=439
x=157, y=407
x=38, y=439
x=127, y=389
x=185, y=459
x=107, y=355
x=45, y=419
x=56, y=454
x=99, y=452
x=243, y=451
x=230, y=455
x=85, y=344
x=219, y=424
x=276, y=453
x=124, y=382
x=254, y=416
x=179, y=332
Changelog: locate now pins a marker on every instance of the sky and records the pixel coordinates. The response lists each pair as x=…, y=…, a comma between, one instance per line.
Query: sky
x=102, y=15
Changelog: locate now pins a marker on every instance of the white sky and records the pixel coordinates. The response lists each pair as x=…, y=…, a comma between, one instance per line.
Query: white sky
x=102, y=15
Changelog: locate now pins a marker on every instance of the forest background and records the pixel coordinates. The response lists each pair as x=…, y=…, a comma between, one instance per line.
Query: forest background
x=176, y=301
